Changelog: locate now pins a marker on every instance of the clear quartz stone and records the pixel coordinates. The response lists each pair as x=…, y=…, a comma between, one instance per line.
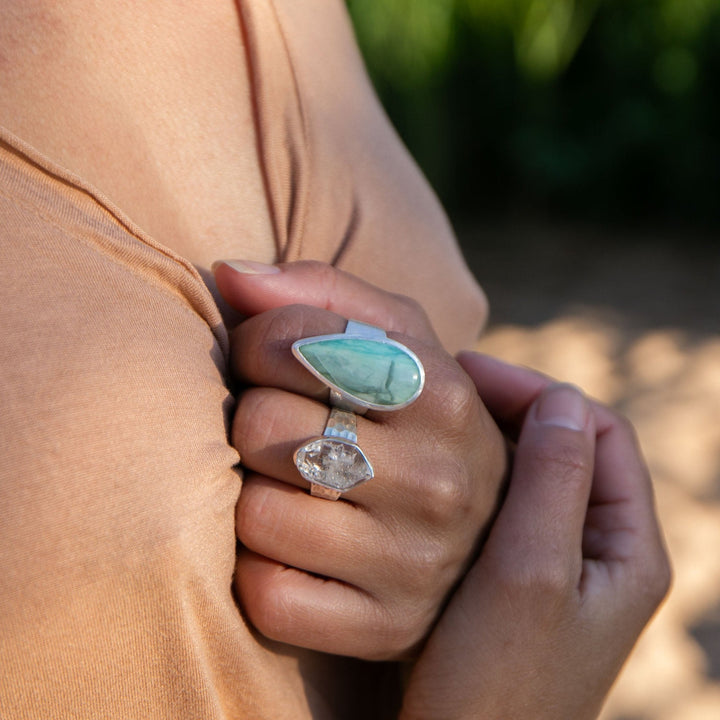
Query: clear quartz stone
x=333, y=463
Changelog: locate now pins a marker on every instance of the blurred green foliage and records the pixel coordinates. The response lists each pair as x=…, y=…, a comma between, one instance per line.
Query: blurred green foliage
x=604, y=110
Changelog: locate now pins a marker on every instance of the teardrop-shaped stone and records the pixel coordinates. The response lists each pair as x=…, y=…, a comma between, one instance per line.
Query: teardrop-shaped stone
x=377, y=372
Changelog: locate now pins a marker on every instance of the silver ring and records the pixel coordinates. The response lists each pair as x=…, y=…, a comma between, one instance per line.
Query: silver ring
x=334, y=463
x=363, y=368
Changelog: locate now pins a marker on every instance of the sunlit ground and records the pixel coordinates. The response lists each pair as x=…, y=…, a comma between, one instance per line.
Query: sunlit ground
x=639, y=328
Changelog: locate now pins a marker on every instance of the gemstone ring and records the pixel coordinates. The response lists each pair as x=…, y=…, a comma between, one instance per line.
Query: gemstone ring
x=334, y=463
x=363, y=368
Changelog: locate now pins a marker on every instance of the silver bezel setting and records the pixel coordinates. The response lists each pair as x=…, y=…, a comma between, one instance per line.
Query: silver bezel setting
x=359, y=331
x=317, y=441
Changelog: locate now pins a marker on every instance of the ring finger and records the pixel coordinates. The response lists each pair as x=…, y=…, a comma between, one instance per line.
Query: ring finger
x=271, y=424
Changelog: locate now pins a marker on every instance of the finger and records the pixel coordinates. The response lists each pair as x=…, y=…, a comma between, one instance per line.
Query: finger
x=507, y=390
x=622, y=523
x=262, y=352
x=262, y=345
x=415, y=475
x=291, y=606
x=252, y=288
x=262, y=357
x=330, y=539
x=269, y=425
x=622, y=531
x=620, y=467
x=622, y=479
x=540, y=527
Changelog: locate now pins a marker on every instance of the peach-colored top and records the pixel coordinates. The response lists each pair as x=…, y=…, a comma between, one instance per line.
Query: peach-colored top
x=117, y=482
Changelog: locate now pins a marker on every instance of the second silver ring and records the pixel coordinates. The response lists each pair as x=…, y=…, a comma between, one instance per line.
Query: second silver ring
x=334, y=463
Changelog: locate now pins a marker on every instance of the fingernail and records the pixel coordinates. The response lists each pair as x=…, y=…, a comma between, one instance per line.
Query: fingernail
x=562, y=406
x=247, y=267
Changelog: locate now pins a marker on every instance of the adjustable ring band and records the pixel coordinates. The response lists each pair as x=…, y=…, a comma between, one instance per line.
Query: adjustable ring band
x=334, y=462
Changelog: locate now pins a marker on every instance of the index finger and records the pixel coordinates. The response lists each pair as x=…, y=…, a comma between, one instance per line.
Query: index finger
x=508, y=391
x=621, y=504
x=262, y=357
x=253, y=288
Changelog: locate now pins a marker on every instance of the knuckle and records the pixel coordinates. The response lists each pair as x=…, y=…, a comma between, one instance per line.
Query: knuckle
x=250, y=521
x=552, y=581
x=429, y=560
x=280, y=325
x=409, y=307
x=445, y=492
x=271, y=611
x=316, y=267
x=423, y=566
x=259, y=343
x=455, y=398
x=325, y=277
x=396, y=631
x=260, y=521
x=264, y=598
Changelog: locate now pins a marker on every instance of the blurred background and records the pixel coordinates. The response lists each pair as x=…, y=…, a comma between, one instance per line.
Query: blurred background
x=576, y=146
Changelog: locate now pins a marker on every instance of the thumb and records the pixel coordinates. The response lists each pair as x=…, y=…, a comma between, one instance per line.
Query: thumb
x=252, y=288
x=541, y=523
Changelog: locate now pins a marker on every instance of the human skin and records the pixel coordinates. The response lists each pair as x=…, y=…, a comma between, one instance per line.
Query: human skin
x=365, y=576
x=64, y=90
x=572, y=571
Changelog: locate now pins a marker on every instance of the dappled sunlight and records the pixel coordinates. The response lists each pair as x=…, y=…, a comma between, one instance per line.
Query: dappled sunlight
x=669, y=386
x=573, y=349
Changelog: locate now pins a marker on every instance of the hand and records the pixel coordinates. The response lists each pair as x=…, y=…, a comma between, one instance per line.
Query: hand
x=367, y=575
x=573, y=568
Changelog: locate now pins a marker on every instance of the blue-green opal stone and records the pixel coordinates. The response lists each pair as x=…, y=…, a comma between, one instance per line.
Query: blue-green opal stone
x=376, y=372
